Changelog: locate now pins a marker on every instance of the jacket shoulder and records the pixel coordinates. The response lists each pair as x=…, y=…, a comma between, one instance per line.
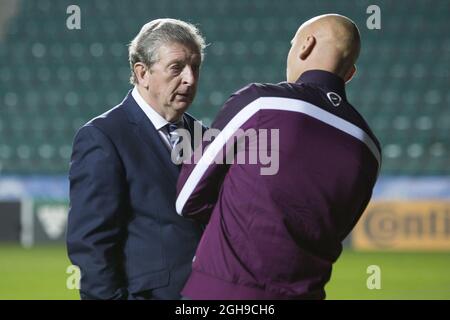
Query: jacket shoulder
x=282, y=89
x=109, y=119
x=112, y=119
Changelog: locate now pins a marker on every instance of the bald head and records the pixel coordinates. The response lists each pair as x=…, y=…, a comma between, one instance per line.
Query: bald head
x=328, y=42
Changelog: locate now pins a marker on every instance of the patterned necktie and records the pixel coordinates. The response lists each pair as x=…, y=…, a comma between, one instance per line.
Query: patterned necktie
x=175, y=138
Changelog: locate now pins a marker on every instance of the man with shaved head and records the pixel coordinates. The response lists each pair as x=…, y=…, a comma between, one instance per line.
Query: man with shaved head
x=329, y=42
x=276, y=236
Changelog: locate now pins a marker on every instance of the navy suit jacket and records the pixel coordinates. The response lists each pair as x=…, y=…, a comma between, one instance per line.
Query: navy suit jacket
x=123, y=231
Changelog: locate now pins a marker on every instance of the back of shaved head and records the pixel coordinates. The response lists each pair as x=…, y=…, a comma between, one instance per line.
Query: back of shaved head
x=328, y=42
x=337, y=32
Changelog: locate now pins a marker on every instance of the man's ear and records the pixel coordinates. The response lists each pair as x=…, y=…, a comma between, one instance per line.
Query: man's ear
x=307, y=46
x=141, y=72
x=350, y=74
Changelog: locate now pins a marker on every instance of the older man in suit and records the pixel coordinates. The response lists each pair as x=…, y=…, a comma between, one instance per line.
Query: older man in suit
x=123, y=230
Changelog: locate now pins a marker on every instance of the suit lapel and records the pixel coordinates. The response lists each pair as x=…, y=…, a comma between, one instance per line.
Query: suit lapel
x=188, y=126
x=148, y=133
x=153, y=140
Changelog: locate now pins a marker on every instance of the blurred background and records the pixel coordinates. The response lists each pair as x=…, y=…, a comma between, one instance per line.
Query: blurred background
x=53, y=80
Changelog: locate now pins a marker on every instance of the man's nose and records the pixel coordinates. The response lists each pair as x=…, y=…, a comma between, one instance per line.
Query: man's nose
x=189, y=76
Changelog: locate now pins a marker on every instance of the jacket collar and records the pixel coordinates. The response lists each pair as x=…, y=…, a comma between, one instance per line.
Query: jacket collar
x=324, y=79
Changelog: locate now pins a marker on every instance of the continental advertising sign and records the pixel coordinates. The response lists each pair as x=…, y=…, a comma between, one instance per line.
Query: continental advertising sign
x=404, y=225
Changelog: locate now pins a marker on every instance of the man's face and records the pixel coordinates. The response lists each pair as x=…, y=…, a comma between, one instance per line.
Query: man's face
x=173, y=78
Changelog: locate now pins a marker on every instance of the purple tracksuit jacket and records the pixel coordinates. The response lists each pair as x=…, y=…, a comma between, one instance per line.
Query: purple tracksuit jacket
x=276, y=236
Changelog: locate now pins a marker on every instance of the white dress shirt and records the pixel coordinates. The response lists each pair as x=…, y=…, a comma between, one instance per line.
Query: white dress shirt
x=155, y=118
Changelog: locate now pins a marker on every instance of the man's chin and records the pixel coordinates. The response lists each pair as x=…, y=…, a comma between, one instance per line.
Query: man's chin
x=181, y=105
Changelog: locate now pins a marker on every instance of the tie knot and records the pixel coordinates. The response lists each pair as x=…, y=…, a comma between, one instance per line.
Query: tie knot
x=171, y=127
x=174, y=139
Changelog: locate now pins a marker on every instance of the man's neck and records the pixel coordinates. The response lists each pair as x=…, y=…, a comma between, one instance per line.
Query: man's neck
x=166, y=114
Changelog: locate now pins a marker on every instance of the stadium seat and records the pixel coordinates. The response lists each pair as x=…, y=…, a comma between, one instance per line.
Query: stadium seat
x=53, y=80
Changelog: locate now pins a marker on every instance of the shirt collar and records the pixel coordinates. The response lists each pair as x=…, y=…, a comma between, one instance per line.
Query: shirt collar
x=156, y=119
x=324, y=78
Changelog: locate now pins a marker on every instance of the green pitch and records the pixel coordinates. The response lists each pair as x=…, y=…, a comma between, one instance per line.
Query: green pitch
x=40, y=273
x=404, y=276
